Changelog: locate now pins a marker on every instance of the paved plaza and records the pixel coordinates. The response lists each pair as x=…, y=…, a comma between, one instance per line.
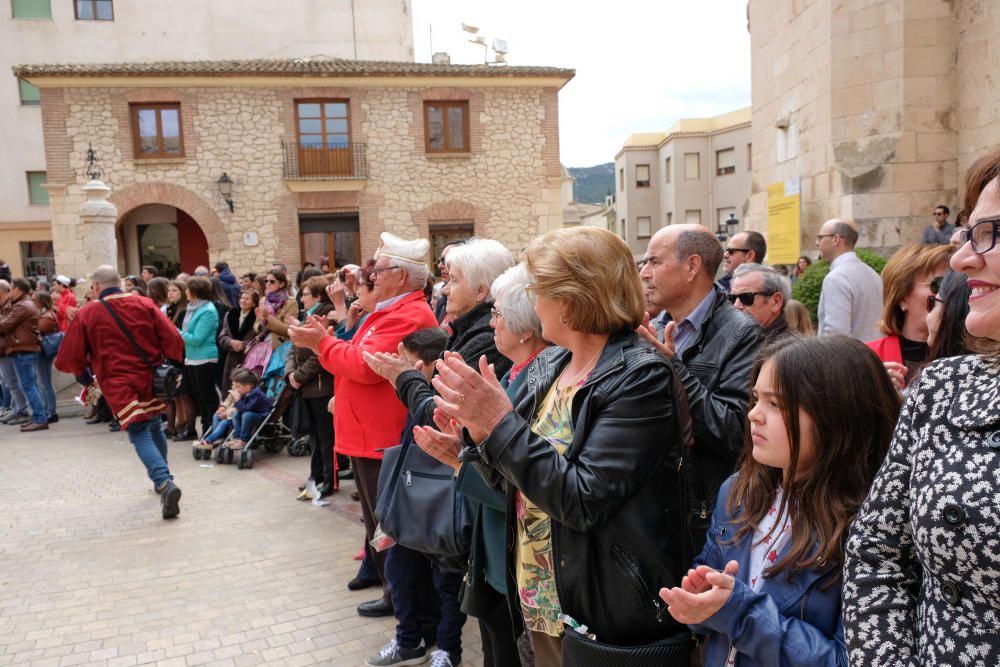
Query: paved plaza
x=91, y=575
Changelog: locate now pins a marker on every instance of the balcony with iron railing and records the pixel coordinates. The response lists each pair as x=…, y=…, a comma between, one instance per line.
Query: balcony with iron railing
x=305, y=167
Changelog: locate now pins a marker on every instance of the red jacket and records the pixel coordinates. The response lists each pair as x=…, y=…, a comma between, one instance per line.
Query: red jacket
x=887, y=349
x=66, y=301
x=95, y=340
x=367, y=415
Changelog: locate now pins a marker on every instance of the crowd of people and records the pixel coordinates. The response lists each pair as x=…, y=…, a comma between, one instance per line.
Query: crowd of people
x=599, y=460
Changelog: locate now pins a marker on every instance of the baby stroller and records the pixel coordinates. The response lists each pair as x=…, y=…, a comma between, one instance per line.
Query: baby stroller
x=272, y=433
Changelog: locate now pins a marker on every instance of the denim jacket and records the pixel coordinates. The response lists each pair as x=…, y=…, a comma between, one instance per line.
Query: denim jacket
x=791, y=621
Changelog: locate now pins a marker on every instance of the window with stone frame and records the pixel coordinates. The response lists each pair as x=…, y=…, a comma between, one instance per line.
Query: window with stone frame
x=446, y=127
x=94, y=10
x=156, y=131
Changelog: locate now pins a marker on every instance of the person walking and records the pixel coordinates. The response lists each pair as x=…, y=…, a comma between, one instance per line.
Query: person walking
x=21, y=342
x=95, y=341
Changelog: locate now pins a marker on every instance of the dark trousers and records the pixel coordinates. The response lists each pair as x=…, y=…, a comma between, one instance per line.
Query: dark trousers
x=497, y=631
x=407, y=570
x=323, y=467
x=366, y=478
x=201, y=382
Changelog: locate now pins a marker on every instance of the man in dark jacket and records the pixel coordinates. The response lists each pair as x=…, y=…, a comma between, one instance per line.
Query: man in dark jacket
x=21, y=342
x=229, y=283
x=762, y=293
x=5, y=271
x=712, y=347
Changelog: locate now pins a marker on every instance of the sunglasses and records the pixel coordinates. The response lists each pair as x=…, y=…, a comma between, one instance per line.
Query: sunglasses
x=931, y=300
x=730, y=251
x=982, y=236
x=746, y=298
x=271, y=282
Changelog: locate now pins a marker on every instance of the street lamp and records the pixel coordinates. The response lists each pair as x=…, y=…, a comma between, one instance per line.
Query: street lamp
x=226, y=189
x=727, y=228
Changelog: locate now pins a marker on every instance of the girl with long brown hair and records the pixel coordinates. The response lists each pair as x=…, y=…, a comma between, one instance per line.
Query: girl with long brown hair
x=767, y=586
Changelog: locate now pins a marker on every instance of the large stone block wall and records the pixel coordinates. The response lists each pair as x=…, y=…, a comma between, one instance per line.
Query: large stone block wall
x=880, y=118
x=509, y=184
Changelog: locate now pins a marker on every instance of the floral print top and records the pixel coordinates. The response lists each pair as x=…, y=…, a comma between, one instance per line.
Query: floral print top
x=536, y=582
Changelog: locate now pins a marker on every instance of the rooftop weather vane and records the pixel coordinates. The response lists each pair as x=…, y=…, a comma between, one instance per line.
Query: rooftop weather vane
x=92, y=171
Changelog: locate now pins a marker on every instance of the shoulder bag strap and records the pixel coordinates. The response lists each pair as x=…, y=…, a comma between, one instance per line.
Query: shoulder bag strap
x=125, y=331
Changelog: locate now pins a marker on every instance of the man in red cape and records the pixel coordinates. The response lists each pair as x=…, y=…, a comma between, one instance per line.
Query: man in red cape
x=94, y=342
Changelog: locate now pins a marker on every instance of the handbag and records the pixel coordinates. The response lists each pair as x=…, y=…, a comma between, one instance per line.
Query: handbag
x=51, y=343
x=418, y=503
x=164, y=375
x=579, y=650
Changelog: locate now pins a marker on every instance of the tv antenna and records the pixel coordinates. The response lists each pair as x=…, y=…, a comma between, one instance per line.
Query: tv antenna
x=499, y=46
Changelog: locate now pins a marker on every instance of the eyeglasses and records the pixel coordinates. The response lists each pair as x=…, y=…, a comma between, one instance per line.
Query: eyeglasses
x=820, y=237
x=746, y=298
x=377, y=272
x=982, y=236
x=931, y=300
x=495, y=314
x=730, y=251
x=935, y=284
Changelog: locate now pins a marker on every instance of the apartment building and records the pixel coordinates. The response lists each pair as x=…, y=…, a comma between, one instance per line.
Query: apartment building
x=126, y=31
x=698, y=172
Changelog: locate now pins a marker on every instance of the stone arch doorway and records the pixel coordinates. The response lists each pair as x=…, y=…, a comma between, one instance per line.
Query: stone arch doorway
x=167, y=226
x=162, y=236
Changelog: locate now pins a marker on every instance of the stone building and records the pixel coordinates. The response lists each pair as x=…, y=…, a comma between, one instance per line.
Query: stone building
x=697, y=172
x=323, y=155
x=88, y=31
x=877, y=108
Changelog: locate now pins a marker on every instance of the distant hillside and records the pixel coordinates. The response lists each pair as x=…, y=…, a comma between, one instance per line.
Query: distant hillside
x=593, y=183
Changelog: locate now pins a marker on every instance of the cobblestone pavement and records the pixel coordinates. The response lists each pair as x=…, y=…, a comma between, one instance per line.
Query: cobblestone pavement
x=90, y=573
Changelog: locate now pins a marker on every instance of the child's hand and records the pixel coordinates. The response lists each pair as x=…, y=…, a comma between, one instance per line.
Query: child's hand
x=695, y=608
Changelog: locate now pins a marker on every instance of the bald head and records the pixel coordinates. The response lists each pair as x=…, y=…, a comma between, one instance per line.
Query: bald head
x=836, y=237
x=106, y=276
x=688, y=240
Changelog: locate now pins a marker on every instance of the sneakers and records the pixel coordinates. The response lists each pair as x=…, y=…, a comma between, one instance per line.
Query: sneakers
x=170, y=497
x=441, y=658
x=393, y=654
x=16, y=419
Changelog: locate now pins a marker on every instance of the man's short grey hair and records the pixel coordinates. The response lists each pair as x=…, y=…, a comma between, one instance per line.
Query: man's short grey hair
x=510, y=297
x=4, y=286
x=106, y=276
x=416, y=273
x=771, y=280
x=703, y=243
x=481, y=261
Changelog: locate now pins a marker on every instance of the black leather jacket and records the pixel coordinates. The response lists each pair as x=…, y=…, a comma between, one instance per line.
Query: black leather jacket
x=715, y=369
x=614, y=541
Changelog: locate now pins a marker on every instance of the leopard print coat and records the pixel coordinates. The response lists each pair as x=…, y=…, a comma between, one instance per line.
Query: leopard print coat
x=922, y=574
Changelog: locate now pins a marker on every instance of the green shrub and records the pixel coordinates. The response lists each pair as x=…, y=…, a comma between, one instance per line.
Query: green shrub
x=807, y=288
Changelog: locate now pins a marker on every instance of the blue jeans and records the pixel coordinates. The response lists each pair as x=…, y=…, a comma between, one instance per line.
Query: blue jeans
x=45, y=386
x=220, y=427
x=18, y=403
x=24, y=365
x=408, y=572
x=151, y=446
x=4, y=397
x=245, y=423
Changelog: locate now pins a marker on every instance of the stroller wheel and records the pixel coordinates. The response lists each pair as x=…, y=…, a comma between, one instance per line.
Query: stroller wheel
x=219, y=456
x=241, y=460
x=248, y=454
x=196, y=453
x=228, y=456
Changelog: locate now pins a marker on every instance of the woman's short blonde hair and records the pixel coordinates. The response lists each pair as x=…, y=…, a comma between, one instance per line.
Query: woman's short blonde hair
x=593, y=271
x=901, y=272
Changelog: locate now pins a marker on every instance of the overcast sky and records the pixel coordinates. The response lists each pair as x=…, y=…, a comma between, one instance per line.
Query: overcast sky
x=640, y=65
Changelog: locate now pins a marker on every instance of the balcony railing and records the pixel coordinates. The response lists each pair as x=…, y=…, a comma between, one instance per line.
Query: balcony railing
x=348, y=162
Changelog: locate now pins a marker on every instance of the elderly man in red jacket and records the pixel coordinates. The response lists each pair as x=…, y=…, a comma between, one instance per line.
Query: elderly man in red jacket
x=95, y=342
x=368, y=416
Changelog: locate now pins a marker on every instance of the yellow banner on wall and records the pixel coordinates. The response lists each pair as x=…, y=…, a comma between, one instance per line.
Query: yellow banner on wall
x=783, y=232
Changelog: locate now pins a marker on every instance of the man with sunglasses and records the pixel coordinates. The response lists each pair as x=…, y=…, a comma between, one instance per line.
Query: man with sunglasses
x=743, y=248
x=761, y=292
x=938, y=232
x=850, y=301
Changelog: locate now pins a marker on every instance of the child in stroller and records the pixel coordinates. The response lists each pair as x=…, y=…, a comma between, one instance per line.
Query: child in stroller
x=250, y=408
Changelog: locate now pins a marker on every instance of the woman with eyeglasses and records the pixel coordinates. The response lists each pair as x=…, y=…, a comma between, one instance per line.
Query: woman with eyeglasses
x=922, y=568
x=908, y=279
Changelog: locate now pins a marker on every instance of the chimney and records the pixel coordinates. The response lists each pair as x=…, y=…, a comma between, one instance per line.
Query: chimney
x=441, y=58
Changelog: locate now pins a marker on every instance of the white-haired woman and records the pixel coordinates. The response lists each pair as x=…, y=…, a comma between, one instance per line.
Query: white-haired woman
x=473, y=267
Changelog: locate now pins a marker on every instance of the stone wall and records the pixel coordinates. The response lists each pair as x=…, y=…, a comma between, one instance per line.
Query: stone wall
x=862, y=100
x=509, y=184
